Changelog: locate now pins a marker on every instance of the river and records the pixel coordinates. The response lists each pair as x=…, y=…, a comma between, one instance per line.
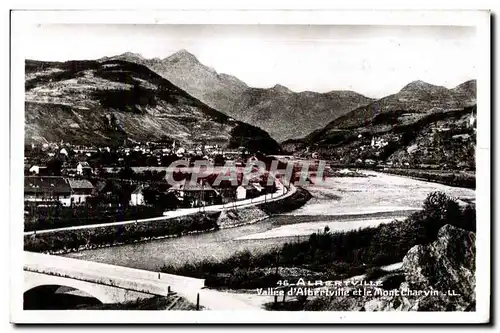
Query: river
x=344, y=203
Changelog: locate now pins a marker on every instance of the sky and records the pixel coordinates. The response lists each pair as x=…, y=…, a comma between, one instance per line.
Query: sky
x=372, y=60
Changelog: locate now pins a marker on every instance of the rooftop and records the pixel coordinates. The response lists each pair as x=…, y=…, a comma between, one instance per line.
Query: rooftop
x=46, y=184
x=186, y=185
x=84, y=164
x=80, y=184
x=138, y=189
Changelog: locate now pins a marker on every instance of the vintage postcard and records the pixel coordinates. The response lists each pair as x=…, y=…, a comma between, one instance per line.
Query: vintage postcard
x=250, y=167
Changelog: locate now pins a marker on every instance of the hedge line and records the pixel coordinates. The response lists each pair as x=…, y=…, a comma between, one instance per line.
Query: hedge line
x=64, y=241
x=61, y=217
x=450, y=179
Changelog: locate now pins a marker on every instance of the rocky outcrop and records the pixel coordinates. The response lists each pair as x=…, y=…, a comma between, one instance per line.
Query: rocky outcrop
x=447, y=265
x=439, y=276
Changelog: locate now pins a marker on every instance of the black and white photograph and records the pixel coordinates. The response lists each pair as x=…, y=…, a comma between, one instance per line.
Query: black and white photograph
x=253, y=168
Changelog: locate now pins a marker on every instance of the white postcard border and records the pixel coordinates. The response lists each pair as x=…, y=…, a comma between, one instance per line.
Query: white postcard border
x=479, y=19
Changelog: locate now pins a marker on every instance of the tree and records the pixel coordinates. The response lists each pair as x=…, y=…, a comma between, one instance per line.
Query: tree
x=126, y=173
x=54, y=167
x=219, y=160
x=124, y=196
x=170, y=201
x=166, y=160
x=440, y=207
x=150, y=196
x=101, y=172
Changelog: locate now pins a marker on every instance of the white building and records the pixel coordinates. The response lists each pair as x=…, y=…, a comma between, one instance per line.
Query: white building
x=83, y=168
x=472, y=120
x=246, y=192
x=81, y=189
x=137, y=197
x=181, y=151
x=47, y=189
x=37, y=168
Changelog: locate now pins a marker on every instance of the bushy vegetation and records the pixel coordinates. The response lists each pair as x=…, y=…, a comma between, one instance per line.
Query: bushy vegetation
x=338, y=255
x=74, y=240
x=69, y=69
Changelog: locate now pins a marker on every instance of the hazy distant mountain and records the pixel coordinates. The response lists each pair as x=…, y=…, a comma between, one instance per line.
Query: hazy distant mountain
x=278, y=110
x=112, y=100
x=285, y=114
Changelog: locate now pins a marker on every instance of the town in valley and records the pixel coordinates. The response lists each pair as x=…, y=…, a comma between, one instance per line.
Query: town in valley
x=160, y=183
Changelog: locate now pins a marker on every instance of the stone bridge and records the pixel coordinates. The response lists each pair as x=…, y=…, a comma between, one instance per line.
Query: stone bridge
x=44, y=274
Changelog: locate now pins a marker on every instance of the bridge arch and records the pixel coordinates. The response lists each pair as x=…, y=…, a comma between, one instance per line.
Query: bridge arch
x=51, y=297
x=35, y=281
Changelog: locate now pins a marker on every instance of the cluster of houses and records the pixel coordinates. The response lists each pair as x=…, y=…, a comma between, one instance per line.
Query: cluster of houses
x=73, y=186
x=80, y=169
x=70, y=191
x=174, y=148
x=204, y=151
x=156, y=150
x=202, y=193
x=64, y=148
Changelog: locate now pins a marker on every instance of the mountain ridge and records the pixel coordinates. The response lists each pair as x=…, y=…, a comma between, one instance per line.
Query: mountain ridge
x=422, y=124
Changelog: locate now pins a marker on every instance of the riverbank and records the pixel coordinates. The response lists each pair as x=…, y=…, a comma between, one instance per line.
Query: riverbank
x=450, y=178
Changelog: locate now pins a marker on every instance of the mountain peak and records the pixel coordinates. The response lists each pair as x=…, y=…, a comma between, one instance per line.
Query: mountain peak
x=129, y=54
x=471, y=84
x=281, y=89
x=182, y=54
x=467, y=89
x=417, y=86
